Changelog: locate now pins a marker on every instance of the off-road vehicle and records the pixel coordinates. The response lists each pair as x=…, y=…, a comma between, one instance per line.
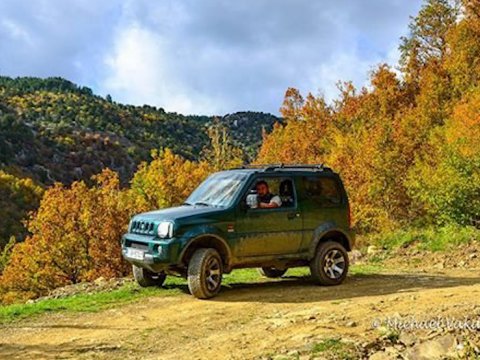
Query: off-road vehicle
x=220, y=228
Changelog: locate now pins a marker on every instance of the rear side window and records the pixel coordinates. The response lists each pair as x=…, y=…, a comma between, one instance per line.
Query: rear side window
x=324, y=191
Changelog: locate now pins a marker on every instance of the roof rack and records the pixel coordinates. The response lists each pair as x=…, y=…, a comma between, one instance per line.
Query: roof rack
x=274, y=167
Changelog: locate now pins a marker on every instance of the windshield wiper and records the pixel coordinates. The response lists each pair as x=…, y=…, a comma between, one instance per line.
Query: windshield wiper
x=201, y=203
x=187, y=204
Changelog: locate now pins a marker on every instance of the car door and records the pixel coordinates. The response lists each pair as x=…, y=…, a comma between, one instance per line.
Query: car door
x=262, y=232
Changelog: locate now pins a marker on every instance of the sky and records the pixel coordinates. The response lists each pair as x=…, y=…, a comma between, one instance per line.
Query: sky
x=208, y=57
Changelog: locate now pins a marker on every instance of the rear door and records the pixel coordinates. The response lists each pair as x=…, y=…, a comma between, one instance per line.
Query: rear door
x=275, y=231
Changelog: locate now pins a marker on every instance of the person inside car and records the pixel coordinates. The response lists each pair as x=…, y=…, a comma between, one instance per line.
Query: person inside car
x=286, y=193
x=266, y=200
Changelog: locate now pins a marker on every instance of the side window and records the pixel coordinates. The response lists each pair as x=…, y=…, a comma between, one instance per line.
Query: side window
x=287, y=193
x=323, y=191
x=282, y=188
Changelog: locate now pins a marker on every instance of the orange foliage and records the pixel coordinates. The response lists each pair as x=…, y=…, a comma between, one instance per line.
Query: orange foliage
x=463, y=129
x=167, y=180
x=75, y=237
x=75, y=234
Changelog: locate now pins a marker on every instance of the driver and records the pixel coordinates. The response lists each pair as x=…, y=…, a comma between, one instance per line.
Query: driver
x=266, y=200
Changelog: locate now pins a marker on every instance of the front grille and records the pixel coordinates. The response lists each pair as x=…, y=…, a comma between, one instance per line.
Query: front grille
x=138, y=245
x=142, y=227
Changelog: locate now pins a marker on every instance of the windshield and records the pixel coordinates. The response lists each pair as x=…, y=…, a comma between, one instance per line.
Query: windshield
x=218, y=189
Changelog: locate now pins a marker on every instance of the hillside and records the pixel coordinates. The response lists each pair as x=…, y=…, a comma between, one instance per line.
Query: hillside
x=53, y=130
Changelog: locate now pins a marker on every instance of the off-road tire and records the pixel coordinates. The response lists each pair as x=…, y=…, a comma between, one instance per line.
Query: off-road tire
x=271, y=272
x=204, y=273
x=146, y=278
x=328, y=253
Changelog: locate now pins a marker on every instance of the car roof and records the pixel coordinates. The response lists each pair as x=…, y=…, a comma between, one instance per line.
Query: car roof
x=282, y=168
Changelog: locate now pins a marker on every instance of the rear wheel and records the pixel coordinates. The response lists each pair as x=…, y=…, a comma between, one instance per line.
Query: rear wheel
x=146, y=278
x=330, y=264
x=271, y=272
x=205, y=272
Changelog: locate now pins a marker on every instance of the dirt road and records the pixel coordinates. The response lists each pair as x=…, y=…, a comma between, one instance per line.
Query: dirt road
x=247, y=321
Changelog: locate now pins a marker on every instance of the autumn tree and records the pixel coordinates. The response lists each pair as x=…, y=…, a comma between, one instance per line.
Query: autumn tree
x=74, y=237
x=221, y=153
x=428, y=32
x=167, y=180
x=18, y=196
x=303, y=138
x=446, y=179
x=396, y=142
x=462, y=61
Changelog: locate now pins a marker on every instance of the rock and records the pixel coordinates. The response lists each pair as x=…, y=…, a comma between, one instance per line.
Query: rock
x=473, y=256
x=372, y=250
x=392, y=351
x=437, y=348
x=99, y=281
x=439, y=265
x=351, y=324
x=407, y=339
x=302, y=337
x=355, y=256
x=100, y=284
x=383, y=355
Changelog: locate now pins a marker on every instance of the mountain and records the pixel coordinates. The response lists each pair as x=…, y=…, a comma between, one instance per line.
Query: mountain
x=54, y=130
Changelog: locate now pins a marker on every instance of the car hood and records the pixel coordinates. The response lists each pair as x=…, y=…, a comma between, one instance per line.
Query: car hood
x=175, y=213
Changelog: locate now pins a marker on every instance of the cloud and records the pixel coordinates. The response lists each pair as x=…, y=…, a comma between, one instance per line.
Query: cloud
x=54, y=38
x=141, y=73
x=204, y=57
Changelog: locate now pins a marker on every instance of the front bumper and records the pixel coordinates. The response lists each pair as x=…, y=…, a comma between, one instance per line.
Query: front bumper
x=159, y=254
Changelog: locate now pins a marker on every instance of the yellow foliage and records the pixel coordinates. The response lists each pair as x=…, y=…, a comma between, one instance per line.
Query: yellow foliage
x=75, y=237
x=167, y=180
x=221, y=154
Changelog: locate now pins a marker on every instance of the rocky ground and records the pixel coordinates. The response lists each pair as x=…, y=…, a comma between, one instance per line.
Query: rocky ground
x=410, y=310
x=464, y=256
x=99, y=285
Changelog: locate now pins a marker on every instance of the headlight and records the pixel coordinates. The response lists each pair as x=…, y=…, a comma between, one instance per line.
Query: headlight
x=165, y=229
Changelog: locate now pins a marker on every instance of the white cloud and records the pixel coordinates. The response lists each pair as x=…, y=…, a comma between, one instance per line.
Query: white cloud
x=16, y=31
x=139, y=72
x=209, y=56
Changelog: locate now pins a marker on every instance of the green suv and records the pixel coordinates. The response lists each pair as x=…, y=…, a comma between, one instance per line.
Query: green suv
x=273, y=217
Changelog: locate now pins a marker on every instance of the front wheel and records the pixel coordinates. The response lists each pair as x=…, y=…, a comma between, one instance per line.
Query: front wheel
x=271, y=272
x=147, y=278
x=330, y=264
x=205, y=272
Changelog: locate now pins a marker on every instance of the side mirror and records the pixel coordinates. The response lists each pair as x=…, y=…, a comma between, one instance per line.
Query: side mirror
x=252, y=201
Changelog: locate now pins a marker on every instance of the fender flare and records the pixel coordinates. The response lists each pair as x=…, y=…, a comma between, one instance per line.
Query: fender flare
x=326, y=231
x=205, y=237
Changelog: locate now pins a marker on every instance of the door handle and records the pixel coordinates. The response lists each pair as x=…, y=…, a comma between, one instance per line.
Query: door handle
x=293, y=215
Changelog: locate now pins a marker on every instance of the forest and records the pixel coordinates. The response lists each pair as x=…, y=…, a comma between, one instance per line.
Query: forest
x=52, y=130
x=76, y=166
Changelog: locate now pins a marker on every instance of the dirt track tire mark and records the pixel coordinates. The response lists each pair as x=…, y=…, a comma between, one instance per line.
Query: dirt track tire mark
x=245, y=321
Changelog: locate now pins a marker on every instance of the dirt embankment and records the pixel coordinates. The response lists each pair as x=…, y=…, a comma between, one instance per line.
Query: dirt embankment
x=275, y=319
